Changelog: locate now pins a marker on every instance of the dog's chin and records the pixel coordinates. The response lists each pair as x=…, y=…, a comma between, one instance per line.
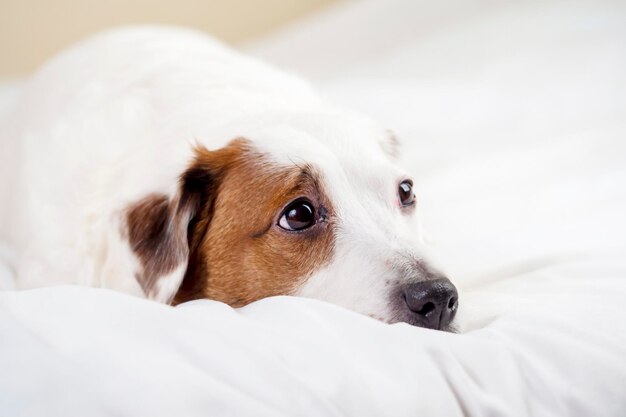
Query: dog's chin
x=414, y=320
x=411, y=319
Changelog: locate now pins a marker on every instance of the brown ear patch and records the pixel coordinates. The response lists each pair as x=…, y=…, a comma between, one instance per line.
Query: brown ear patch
x=158, y=237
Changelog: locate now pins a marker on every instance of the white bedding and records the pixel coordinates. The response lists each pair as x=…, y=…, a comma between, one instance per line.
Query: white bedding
x=513, y=117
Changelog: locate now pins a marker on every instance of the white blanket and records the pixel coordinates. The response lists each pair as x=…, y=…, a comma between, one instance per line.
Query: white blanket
x=513, y=118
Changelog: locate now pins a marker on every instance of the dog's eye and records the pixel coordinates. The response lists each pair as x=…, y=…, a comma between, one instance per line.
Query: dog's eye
x=405, y=192
x=298, y=215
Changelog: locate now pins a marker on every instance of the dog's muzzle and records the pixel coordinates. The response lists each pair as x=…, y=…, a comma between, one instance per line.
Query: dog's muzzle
x=432, y=303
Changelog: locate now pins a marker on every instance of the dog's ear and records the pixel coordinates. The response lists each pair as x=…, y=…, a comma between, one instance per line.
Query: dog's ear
x=391, y=145
x=159, y=234
x=164, y=232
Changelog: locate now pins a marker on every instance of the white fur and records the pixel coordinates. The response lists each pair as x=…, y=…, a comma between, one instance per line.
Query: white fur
x=113, y=120
x=167, y=285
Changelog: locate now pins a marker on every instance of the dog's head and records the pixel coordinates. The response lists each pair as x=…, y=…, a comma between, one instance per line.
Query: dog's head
x=316, y=208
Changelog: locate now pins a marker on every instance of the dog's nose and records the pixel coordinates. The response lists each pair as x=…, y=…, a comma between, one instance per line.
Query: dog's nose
x=433, y=302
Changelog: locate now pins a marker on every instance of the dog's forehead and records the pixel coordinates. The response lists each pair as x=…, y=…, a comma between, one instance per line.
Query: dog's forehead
x=336, y=146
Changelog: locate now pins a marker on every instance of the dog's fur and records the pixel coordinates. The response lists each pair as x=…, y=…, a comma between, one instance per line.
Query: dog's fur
x=158, y=162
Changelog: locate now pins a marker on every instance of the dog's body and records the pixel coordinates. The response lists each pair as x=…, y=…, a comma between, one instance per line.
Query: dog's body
x=160, y=163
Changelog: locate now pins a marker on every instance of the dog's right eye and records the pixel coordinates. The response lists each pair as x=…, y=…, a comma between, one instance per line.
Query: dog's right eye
x=298, y=215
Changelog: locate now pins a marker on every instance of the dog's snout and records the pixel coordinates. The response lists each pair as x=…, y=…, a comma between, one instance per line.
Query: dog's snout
x=434, y=302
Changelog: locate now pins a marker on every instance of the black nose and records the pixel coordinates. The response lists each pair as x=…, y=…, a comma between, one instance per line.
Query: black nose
x=433, y=302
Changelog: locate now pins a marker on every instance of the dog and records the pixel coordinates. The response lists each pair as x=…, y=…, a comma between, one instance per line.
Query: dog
x=158, y=162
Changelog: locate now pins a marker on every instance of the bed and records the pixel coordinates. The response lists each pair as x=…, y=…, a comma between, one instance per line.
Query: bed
x=513, y=119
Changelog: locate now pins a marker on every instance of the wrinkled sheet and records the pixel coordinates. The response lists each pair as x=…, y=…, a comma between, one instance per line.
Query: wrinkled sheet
x=513, y=119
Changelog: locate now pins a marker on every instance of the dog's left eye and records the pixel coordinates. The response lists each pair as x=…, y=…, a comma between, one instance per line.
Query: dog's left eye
x=298, y=215
x=406, y=194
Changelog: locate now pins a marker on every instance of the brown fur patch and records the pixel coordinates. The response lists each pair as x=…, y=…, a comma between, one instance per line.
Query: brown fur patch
x=237, y=253
x=156, y=237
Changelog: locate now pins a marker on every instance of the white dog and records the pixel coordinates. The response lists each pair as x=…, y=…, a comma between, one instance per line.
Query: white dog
x=158, y=162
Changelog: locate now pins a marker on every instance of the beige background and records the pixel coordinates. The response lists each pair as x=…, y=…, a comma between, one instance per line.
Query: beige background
x=33, y=30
